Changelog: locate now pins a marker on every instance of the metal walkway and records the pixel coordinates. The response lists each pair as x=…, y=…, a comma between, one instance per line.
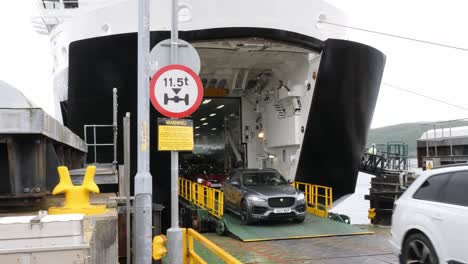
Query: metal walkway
x=380, y=164
x=312, y=227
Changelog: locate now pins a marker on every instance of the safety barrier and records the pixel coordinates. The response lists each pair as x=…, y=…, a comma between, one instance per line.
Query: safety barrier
x=191, y=257
x=200, y=195
x=319, y=199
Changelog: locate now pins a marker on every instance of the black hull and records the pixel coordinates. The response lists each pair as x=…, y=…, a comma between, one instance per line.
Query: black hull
x=344, y=100
x=340, y=116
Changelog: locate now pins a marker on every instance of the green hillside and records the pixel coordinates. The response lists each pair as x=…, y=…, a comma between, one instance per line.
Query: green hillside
x=408, y=133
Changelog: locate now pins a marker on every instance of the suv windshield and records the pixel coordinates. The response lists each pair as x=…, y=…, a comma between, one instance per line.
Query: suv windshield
x=262, y=179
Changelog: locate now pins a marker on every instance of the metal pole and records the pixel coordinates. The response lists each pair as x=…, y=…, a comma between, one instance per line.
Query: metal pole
x=126, y=135
x=143, y=179
x=95, y=145
x=435, y=141
x=174, y=234
x=427, y=143
x=114, y=124
x=450, y=135
x=174, y=33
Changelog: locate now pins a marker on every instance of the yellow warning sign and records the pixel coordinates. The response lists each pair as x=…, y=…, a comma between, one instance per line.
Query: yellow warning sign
x=175, y=134
x=429, y=164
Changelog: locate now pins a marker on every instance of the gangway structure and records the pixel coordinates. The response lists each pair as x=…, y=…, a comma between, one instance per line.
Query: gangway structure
x=394, y=158
x=205, y=207
x=106, y=172
x=391, y=170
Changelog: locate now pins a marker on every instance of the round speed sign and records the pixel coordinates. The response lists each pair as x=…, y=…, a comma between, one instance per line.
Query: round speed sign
x=176, y=91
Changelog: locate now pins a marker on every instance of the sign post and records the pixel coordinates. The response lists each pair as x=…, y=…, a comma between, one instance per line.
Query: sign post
x=143, y=179
x=175, y=233
x=176, y=92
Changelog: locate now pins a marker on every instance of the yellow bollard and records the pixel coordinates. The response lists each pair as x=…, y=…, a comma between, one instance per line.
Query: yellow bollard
x=159, y=249
x=372, y=213
x=77, y=197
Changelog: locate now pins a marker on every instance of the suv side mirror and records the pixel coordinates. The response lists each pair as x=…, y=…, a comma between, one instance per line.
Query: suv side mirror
x=235, y=183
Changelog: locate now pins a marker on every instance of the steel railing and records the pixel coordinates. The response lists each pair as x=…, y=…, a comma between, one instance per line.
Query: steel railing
x=190, y=256
x=202, y=196
x=319, y=199
x=376, y=164
x=114, y=126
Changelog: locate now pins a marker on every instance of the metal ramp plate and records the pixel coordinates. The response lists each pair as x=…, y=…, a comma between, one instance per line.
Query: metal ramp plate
x=313, y=226
x=105, y=174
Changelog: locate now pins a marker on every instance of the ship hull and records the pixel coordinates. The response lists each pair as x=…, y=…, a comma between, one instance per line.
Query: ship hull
x=339, y=118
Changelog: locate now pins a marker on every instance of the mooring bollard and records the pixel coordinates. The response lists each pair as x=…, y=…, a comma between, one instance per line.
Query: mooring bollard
x=77, y=197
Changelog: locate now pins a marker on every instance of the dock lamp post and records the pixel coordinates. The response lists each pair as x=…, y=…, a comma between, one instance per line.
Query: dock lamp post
x=174, y=233
x=143, y=178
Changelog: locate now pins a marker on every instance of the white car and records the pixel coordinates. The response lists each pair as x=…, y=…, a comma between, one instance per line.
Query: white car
x=430, y=220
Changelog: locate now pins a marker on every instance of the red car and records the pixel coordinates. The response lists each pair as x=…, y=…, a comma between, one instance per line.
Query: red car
x=208, y=175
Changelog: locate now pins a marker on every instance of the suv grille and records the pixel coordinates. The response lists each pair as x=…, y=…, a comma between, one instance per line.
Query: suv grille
x=281, y=201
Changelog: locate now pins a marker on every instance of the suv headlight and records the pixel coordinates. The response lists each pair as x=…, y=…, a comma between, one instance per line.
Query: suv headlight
x=300, y=196
x=256, y=199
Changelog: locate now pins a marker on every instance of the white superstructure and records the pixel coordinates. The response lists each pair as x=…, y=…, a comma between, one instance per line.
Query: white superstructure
x=67, y=21
x=284, y=75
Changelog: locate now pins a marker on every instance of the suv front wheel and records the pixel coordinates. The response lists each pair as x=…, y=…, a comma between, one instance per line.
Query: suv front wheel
x=246, y=218
x=418, y=249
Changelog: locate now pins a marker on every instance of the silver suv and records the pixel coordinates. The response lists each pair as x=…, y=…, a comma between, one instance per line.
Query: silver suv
x=262, y=194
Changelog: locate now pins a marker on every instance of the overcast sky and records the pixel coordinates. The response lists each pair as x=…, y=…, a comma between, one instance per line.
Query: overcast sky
x=438, y=72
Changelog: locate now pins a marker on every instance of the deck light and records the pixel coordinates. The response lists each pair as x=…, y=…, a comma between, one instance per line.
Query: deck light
x=204, y=124
x=203, y=119
x=212, y=114
x=206, y=101
x=220, y=106
x=261, y=135
x=214, y=128
x=197, y=127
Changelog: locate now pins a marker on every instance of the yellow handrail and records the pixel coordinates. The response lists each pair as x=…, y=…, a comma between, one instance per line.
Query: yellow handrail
x=200, y=195
x=319, y=199
x=191, y=257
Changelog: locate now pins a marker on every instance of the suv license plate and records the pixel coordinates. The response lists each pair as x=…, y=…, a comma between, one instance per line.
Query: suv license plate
x=282, y=210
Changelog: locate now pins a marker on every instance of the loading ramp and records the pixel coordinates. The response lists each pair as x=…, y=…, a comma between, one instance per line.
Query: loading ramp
x=317, y=224
x=312, y=227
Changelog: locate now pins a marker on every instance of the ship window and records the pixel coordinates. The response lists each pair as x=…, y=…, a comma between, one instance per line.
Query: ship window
x=4, y=170
x=70, y=3
x=50, y=4
x=55, y=4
